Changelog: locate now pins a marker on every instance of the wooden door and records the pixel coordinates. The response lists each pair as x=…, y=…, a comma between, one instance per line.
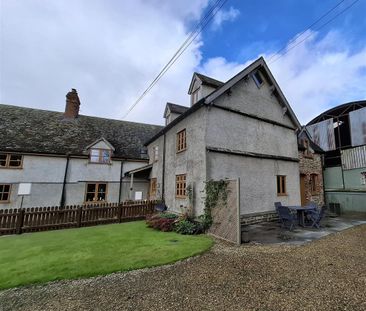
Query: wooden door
x=302, y=190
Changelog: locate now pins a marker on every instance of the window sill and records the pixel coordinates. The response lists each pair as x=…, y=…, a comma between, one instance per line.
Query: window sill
x=11, y=167
x=180, y=151
x=4, y=202
x=100, y=163
x=282, y=194
x=181, y=197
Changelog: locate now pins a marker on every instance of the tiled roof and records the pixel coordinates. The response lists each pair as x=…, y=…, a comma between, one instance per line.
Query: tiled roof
x=209, y=81
x=41, y=131
x=174, y=108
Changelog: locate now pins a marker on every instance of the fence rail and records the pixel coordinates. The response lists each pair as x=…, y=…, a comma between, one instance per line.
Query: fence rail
x=17, y=221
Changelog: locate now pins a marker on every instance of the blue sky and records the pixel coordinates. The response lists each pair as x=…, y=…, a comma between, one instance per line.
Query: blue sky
x=264, y=26
x=111, y=50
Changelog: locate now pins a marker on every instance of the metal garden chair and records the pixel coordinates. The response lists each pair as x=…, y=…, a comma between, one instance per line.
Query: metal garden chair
x=316, y=216
x=287, y=219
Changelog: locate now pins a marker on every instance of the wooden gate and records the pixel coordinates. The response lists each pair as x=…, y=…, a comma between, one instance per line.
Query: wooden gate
x=226, y=215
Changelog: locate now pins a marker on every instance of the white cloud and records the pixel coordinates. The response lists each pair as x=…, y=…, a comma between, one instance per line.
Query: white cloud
x=108, y=50
x=315, y=76
x=224, y=15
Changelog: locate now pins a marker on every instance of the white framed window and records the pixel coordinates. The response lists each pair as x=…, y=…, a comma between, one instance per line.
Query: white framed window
x=257, y=77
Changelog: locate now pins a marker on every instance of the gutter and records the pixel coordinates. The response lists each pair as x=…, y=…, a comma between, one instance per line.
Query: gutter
x=120, y=182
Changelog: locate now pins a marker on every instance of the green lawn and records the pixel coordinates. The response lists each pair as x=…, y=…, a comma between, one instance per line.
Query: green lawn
x=74, y=253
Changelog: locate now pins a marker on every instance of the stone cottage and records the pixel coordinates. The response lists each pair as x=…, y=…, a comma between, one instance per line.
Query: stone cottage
x=311, y=169
x=243, y=128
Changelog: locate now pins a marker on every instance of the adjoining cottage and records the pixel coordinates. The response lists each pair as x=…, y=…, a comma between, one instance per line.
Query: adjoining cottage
x=243, y=128
x=311, y=170
x=69, y=158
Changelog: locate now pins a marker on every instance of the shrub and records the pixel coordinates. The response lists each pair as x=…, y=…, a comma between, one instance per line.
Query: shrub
x=162, y=221
x=185, y=226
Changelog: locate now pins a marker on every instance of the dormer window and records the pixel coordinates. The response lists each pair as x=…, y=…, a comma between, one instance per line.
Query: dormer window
x=257, y=79
x=155, y=153
x=194, y=97
x=100, y=151
x=102, y=156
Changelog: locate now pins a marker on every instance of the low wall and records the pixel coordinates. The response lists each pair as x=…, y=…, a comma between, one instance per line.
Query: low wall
x=255, y=218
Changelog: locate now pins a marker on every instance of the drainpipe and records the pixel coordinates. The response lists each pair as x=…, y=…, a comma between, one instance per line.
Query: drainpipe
x=163, y=178
x=63, y=193
x=120, y=182
x=131, y=186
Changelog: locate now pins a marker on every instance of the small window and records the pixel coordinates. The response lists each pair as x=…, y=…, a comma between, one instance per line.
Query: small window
x=96, y=192
x=156, y=153
x=194, y=97
x=314, y=183
x=181, y=141
x=257, y=78
x=281, y=185
x=5, y=193
x=153, y=183
x=11, y=160
x=180, y=186
x=100, y=156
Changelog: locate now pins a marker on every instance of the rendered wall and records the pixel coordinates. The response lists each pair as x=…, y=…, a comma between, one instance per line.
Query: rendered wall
x=258, y=180
x=47, y=174
x=190, y=162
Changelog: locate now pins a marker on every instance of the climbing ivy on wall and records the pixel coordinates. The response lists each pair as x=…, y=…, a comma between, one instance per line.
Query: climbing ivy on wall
x=216, y=191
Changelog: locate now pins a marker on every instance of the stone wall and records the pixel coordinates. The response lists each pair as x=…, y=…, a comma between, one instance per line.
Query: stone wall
x=308, y=166
x=256, y=218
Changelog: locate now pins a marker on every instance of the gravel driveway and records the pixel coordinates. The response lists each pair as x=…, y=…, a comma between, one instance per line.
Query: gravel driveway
x=328, y=274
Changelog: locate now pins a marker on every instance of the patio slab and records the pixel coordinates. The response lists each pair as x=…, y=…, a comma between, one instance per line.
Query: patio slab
x=272, y=233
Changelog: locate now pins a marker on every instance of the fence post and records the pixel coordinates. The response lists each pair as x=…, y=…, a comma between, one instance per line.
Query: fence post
x=120, y=213
x=80, y=209
x=20, y=221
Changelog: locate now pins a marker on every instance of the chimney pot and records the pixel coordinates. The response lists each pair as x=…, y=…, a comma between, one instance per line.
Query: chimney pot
x=72, y=105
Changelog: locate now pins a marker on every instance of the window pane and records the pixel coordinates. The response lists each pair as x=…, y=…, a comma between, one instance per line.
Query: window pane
x=102, y=189
x=106, y=155
x=15, y=160
x=90, y=188
x=283, y=178
x=94, y=155
x=90, y=196
x=278, y=184
x=4, y=192
x=2, y=159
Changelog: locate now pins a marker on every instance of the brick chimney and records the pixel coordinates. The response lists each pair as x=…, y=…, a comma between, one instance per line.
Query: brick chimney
x=72, y=105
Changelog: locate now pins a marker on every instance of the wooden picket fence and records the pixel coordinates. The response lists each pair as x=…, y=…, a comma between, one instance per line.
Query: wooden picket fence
x=17, y=221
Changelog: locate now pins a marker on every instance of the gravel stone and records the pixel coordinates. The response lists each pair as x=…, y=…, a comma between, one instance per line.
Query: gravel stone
x=327, y=274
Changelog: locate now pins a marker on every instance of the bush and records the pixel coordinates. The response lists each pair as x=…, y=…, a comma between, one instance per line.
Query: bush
x=185, y=226
x=163, y=221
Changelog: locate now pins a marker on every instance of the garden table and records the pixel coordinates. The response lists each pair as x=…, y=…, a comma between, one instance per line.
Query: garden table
x=301, y=212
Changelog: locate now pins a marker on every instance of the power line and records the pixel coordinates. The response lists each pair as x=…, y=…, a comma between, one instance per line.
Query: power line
x=288, y=49
x=199, y=27
x=308, y=28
